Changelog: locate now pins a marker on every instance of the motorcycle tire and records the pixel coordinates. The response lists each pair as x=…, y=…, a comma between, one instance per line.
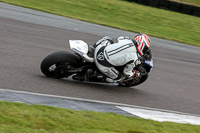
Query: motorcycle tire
x=143, y=78
x=131, y=82
x=54, y=64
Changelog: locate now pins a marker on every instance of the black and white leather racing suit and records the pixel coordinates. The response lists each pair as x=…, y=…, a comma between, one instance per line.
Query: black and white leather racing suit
x=108, y=55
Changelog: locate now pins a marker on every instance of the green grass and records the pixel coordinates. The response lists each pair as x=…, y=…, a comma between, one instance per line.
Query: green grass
x=23, y=118
x=124, y=15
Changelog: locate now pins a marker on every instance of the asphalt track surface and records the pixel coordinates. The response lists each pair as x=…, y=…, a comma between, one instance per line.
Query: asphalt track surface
x=174, y=83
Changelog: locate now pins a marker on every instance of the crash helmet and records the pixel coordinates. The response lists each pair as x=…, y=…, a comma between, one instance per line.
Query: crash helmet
x=142, y=43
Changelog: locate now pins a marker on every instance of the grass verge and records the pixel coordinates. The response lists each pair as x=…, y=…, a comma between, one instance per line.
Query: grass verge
x=23, y=118
x=124, y=15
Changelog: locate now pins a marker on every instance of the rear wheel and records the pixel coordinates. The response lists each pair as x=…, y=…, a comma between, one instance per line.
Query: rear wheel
x=56, y=64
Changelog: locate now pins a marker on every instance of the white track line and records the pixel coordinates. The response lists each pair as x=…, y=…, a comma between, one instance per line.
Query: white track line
x=143, y=112
x=162, y=116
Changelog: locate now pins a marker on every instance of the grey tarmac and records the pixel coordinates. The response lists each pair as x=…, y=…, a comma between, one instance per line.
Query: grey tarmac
x=27, y=36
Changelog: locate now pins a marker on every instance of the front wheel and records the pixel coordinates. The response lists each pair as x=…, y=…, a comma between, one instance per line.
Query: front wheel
x=55, y=64
x=136, y=81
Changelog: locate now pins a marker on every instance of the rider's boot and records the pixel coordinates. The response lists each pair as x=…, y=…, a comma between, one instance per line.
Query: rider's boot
x=109, y=80
x=114, y=82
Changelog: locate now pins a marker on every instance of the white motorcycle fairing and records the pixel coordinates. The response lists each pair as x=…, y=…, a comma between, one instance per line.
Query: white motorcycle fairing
x=81, y=48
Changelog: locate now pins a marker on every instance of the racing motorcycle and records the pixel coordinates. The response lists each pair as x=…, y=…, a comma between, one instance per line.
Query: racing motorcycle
x=79, y=64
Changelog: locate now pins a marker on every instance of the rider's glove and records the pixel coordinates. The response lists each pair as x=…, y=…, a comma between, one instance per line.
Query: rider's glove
x=137, y=62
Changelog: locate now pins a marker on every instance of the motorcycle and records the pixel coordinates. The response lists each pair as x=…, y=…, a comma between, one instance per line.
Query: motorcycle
x=80, y=65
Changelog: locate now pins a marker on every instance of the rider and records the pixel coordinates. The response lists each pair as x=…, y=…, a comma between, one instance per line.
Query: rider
x=125, y=53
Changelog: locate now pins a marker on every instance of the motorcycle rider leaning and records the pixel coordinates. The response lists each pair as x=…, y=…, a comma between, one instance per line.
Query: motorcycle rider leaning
x=125, y=52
